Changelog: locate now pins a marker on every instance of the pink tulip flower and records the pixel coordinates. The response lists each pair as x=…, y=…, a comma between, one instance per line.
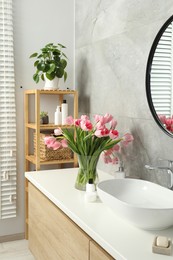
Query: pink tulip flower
x=113, y=123
x=162, y=118
x=116, y=148
x=107, y=118
x=98, y=118
x=49, y=140
x=56, y=145
x=69, y=120
x=77, y=122
x=127, y=138
x=113, y=134
x=86, y=125
x=101, y=132
x=58, y=131
x=64, y=143
x=115, y=160
x=84, y=117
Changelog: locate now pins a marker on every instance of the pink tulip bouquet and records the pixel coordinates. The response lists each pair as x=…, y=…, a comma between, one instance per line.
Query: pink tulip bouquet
x=89, y=140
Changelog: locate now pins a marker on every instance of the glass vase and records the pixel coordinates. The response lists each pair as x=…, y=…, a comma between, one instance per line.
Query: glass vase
x=87, y=171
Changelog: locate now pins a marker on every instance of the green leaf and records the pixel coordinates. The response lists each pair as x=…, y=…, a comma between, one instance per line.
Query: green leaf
x=47, y=67
x=60, y=72
x=49, y=44
x=33, y=55
x=63, y=63
x=62, y=46
x=42, y=77
x=51, y=68
x=44, y=50
x=40, y=56
x=41, y=66
x=56, y=51
x=50, y=76
x=36, y=77
x=65, y=76
x=63, y=54
x=57, y=59
x=36, y=63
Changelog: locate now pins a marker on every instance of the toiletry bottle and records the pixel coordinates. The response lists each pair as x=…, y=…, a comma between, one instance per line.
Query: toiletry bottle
x=90, y=194
x=64, y=112
x=120, y=174
x=58, y=116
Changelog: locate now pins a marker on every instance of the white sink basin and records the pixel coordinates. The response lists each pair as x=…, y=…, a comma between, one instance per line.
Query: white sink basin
x=142, y=203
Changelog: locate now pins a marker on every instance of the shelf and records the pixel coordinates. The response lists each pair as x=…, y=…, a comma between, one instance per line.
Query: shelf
x=51, y=92
x=47, y=126
x=36, y=96
x=32, y=159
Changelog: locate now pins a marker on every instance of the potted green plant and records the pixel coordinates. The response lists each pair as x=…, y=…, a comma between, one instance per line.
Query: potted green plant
x=44, y=118
x=50, y=65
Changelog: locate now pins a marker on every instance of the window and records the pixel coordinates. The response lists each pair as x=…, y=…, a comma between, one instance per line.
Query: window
x=7, y=114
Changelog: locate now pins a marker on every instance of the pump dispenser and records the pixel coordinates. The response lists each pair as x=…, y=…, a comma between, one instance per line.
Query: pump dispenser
x=64, y=112
x=90, y=194
x=120, y=174
x=58, y=116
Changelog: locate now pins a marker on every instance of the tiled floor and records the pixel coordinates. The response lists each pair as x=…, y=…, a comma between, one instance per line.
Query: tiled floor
x=15, y=250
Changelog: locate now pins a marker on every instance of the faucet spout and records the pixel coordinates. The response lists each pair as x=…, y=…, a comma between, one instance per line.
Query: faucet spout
x=169, y=171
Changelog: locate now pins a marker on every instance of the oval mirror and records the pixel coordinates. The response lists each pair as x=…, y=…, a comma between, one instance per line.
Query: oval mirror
x=159, y=78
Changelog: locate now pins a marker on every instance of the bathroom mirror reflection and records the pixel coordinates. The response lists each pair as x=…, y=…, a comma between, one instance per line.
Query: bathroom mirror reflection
x=159, y=78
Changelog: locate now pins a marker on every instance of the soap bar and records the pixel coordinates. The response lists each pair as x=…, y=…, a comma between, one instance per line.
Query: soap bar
x=162, y=241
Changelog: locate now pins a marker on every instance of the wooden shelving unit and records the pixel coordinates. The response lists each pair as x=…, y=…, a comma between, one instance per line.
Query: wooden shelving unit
x=37, y=128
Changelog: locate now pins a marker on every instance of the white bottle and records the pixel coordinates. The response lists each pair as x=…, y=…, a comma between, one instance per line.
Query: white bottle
x=90, y=194
x=120, y=174
x=58, y=116
x=64, y=112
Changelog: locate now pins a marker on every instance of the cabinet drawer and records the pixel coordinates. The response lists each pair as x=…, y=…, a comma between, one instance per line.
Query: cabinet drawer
x=52, y=235
x=98, y=253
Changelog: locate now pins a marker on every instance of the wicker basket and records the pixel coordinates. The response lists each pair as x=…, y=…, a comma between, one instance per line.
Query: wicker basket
x=47, y=154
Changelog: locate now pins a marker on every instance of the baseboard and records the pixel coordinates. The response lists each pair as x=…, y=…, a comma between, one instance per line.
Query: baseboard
x=12, y=237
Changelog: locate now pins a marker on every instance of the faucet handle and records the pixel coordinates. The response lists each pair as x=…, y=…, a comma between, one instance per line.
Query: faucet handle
x=170, y=162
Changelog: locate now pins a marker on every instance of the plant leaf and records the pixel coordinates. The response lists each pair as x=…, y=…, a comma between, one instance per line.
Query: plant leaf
x=63, y=63
x=62, y=46
x=33, y=55
x=36, y=63
x=36, y=77
x=50, y=76
x=42, y=77
x=41, y=66
x=51, y=68
x=65, y=76
x=60, y=72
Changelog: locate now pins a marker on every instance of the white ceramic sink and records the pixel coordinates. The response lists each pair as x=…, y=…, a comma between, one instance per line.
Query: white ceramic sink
x=142, y=203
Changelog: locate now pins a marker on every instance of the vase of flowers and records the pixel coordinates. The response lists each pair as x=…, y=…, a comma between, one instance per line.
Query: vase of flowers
x=89, y=140
x=87, y=171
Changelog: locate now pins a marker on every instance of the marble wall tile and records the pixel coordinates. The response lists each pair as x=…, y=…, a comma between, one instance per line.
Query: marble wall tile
x=113, y=41
x=100, y=19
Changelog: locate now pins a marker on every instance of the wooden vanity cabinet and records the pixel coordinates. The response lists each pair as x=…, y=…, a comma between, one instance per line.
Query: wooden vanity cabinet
x=54, y=236
x=98, y=253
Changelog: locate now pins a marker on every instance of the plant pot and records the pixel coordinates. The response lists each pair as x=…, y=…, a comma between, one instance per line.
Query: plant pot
x=45, y=120
x=51, y=84
x=87, y=171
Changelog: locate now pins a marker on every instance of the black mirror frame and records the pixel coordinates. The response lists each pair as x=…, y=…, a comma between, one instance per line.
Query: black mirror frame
x=148, y=71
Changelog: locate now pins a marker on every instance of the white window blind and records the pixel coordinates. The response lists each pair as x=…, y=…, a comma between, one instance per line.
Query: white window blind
x=7, y=114
x=161, y=74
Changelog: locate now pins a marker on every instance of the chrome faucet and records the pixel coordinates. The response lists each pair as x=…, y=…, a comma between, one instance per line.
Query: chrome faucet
x=168, y=169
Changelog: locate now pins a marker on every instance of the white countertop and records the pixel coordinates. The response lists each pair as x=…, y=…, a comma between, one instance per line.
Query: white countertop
x=120, y=239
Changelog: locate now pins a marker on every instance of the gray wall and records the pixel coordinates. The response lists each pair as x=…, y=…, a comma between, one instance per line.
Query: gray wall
x=113, y=40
